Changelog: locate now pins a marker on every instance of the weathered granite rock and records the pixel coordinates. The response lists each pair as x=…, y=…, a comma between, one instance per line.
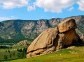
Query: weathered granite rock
x=44, y=43
x=66, y=25
x=54, y=39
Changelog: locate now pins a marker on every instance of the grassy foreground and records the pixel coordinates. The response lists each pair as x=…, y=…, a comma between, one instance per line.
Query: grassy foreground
x=74, y=54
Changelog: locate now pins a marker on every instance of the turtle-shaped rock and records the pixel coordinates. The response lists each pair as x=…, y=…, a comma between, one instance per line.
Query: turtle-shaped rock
x=54, y=39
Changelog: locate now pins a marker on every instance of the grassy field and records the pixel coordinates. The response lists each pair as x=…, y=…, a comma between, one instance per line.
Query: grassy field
x=74, y=54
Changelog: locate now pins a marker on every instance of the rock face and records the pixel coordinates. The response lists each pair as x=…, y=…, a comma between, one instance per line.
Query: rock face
x=67, y=31
x=66, y=25
x=44, y=43
x=54, y=39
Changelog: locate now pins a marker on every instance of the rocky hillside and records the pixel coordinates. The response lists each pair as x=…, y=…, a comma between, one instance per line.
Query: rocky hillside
x=21, y=44
x=17, y=30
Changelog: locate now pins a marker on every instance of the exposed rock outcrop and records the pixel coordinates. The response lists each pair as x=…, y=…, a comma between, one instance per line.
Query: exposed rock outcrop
x=67, y=32
x=66, y=25
x=23, y=43
x=54, y=39
x=43, y=42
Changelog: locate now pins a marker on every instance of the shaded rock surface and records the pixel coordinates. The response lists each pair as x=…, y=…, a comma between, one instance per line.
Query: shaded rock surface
x=54, y=39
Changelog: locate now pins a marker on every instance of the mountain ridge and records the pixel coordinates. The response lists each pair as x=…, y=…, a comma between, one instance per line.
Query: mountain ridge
x=17, y=30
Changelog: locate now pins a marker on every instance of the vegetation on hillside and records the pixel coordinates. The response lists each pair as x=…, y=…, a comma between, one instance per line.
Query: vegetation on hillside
x=16, y=51
x=12, y=53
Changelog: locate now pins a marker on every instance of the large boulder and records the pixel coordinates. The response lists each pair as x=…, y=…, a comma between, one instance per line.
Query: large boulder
x=67, y=31
x=54, y=39
x=44, y=43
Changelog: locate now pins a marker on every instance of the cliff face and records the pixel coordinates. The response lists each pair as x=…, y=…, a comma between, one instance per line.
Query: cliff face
x=21, y=29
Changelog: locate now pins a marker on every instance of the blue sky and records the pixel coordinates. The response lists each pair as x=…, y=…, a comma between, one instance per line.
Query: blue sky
x=40, y=9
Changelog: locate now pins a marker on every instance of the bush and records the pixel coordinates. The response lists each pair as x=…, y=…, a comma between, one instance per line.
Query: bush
x=5, y=57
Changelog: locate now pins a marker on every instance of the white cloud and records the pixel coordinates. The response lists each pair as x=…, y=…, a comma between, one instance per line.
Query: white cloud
x=54, y=5
x=81, y=4
x=9, y=4
x=48, y=5
x=58, y=5
x=6, y=18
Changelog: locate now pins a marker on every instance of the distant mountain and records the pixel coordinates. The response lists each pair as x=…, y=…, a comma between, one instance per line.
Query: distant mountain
x=17, y=30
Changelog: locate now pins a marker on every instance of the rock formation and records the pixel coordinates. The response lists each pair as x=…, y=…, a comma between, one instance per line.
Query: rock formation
x=67, y=33
x=54, y=39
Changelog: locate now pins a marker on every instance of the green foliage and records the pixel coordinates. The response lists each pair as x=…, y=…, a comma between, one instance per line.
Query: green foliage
x=5, y=57
x=10, y=54
x=21, y=52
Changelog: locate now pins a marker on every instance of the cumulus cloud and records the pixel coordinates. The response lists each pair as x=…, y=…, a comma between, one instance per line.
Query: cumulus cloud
x=48, y=5
x=9, y=4
x=81, y=4
x=54, y=5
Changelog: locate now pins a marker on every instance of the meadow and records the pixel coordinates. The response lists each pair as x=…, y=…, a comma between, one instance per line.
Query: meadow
x=72, y=54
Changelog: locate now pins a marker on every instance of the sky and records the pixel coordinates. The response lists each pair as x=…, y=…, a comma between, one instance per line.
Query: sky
x=40, y=9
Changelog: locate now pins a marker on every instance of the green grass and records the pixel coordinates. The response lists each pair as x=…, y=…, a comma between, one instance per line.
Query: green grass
x=12, y=53
x=65, y=55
